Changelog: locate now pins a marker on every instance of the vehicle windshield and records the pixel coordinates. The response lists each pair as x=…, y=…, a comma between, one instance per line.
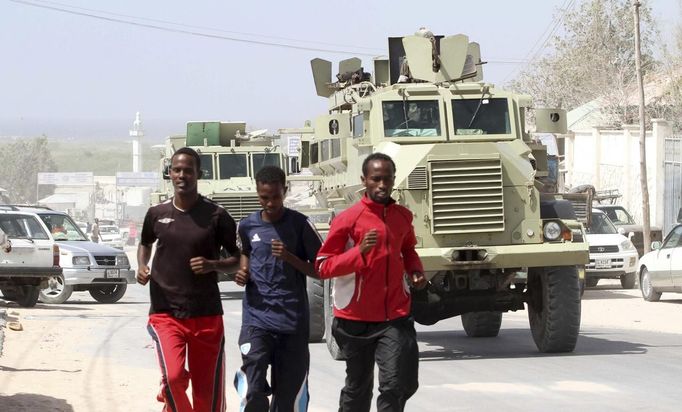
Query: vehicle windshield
x=415, y=118
x=22, y=227
x=619, y=216
x=261, y=160
x=62, y=227
x=232, y=165
x=601, y=225
x=481, y=116
x=206, y=166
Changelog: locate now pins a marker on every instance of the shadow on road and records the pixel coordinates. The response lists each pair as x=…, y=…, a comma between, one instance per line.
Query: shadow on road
x=512, y=344
x=608, y=293
x=40, y=306
x=234, y=295
x=31, y=402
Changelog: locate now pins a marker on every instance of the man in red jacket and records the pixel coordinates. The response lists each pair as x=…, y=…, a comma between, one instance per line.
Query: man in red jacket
x=370, y=250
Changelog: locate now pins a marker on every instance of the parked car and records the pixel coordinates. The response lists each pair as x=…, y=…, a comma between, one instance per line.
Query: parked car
x=612, y=255
x=628, y=227
x=110, y=235
x=31, y=260
x=661, y=269
x=87, y=266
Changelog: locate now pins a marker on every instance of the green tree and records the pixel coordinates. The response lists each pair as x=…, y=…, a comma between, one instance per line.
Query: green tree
x=592, y=58
x=21, y=162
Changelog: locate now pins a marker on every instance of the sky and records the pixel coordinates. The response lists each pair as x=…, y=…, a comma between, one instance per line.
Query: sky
x=72, y=75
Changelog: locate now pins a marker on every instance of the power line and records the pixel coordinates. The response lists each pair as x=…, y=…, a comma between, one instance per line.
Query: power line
x=189, y=32
x=378, y=51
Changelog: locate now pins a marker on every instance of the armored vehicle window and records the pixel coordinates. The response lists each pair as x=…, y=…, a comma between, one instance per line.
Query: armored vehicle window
x=481, y=116
x=261, y=160
x=411, y=118
x=207, y=166
x=358, y=125
x=314, y=154
x=336, y=148
x=232, y=165
x=325, y=150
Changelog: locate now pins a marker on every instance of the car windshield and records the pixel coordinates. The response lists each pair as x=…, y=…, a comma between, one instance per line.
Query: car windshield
x=62, y=227
x=232, y=165
x=414, y=118
x=261, y=160
x=619, y=216
x=601, y=225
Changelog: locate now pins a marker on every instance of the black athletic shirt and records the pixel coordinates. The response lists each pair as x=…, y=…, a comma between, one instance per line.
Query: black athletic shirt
x=275, y=298
x=182, y=235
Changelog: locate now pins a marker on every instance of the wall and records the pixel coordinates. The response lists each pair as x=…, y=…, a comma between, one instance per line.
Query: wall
x=609, y=159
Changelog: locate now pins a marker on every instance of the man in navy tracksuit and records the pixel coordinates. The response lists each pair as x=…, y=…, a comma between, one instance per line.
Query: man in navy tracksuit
x=370, y=251
x=279, y=246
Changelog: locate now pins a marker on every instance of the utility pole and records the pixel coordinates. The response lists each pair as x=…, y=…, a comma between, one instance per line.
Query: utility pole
x=642, y=135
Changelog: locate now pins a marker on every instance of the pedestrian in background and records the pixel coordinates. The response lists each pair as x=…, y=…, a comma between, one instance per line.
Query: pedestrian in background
x=279, y=246
x=185, y=318
x=370, y=250
x=94, y=234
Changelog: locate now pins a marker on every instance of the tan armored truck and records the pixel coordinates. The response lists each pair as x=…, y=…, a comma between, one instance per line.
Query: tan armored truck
x=489, y=240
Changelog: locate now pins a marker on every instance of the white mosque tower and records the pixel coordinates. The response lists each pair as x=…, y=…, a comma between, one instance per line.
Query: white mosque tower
x=137, y=133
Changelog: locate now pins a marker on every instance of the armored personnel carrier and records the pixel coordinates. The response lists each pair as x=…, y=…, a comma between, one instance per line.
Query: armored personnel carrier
x=489, y=239
x=230, y=159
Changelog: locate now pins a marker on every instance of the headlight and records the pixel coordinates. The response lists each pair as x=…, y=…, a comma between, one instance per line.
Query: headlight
x=80, y=261
x=626, y=245
x=122, y=260
x=551, y=231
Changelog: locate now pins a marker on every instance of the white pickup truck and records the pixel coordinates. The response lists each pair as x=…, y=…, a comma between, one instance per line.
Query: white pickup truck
x=29, y=259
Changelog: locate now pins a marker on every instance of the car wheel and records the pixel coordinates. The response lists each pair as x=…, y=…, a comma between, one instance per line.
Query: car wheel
x=56, y=291
x=648, y=292
x=554, y=308
x=316, y=306
x=108, y=293
x=27, y=296
x=628, y=280
x=591, y=282
x=9, y=293
x=482, y=324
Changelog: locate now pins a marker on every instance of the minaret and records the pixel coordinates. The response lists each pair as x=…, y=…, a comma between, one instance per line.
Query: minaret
x=137, y=133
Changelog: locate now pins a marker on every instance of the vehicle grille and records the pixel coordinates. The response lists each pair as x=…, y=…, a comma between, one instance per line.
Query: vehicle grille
x=417, y=178
x=238, y=206
x=106, y=260
x=604, y=249
x=466, y=196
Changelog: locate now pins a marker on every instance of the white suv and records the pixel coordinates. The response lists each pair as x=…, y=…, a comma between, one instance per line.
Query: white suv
x=612, y=255
x=31, y=261
x=87, y=266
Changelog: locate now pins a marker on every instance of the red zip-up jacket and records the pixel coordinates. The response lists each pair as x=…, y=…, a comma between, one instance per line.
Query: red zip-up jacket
x=374, y=288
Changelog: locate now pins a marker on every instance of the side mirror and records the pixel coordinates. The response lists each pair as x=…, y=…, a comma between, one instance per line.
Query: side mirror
x=655, y=245
x=621, y=231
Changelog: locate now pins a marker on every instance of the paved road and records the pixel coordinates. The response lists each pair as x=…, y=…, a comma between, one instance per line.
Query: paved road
x=628, y=357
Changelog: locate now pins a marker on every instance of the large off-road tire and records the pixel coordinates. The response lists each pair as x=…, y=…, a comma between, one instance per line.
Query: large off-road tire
x=591, y=282
x=628, y=280
x=554, y=308
x=332, y=346
x=648, y=292
x=56, y=291
x=482, y=324
x=27, y=296
x=316, y=306
x=108, y=293
x=9, y=293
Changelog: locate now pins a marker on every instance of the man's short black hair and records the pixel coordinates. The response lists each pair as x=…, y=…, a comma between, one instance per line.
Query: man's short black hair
x=376, y=156
x=189, y=152
x=271, y=174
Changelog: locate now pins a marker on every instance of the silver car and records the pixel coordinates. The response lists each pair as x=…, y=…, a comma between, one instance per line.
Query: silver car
x=87, y=266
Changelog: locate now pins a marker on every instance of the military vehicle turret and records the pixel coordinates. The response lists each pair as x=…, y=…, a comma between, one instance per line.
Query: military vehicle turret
x=489, y=240
x=230, y=159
